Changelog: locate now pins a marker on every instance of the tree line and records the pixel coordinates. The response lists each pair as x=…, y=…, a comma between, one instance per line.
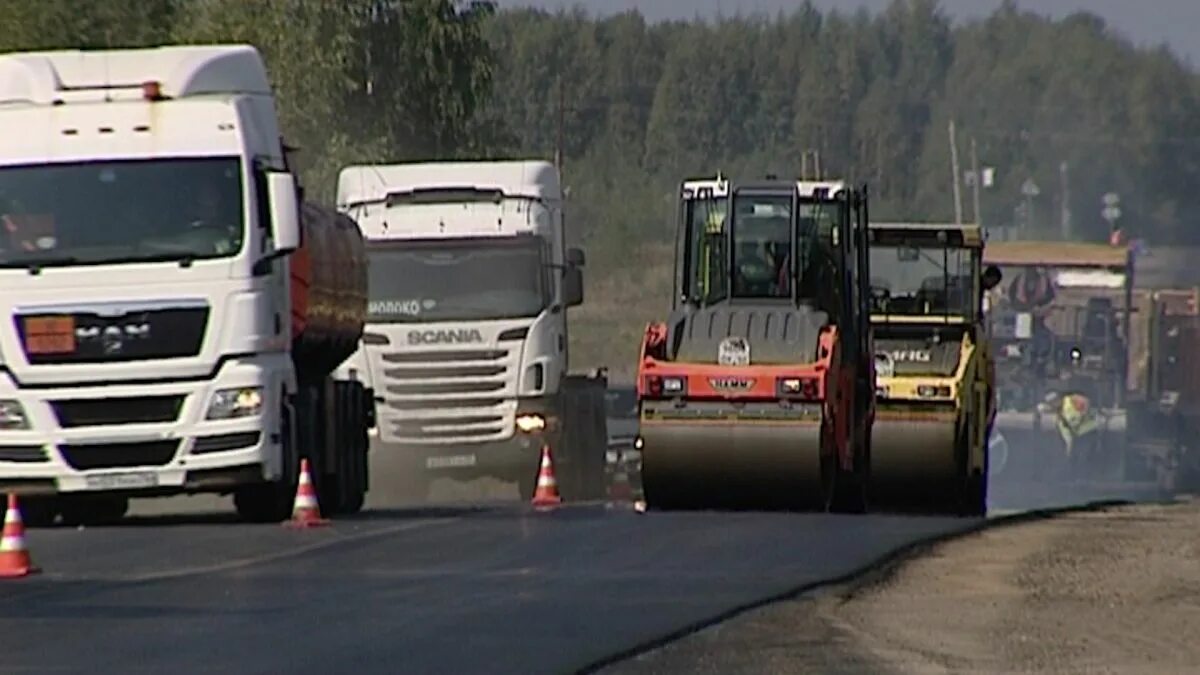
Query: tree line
x=1067, y=105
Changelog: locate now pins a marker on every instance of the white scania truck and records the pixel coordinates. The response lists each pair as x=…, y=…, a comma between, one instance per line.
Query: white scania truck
x=173, y=314
x=470, y=279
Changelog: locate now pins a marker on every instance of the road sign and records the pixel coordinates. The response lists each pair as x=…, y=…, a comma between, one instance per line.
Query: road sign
x=1111, y=213
x=1030, y=188
x=1112, y=199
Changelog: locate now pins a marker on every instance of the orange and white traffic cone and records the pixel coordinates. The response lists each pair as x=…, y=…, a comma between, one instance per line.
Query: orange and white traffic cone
x=306, y=512
x=14, y=555
x=546, y=495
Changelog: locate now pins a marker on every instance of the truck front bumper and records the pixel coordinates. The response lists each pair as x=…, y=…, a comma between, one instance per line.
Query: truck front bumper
x=143, y=439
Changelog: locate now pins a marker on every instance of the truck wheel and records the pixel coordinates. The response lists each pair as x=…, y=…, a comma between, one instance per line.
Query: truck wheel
x=97, y=510
x=526, y=486
x=588, y=476
x=35, y=511
x=272, y=502
x=350, y=492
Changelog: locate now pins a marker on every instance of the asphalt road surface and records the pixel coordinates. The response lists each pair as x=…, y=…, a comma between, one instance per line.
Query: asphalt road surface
x=490, y=588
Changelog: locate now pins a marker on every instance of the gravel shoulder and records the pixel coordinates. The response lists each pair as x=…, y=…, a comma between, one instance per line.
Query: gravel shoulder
x=1112, y=591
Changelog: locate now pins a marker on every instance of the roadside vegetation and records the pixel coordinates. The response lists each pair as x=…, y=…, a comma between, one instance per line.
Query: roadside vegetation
x=868, y=97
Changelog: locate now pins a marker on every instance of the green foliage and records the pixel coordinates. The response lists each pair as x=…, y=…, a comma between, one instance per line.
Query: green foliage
x=648, y=104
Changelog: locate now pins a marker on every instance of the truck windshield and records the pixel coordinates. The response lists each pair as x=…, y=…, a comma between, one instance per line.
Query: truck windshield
x=120, y=211
x=922, y=281
x=422, y=281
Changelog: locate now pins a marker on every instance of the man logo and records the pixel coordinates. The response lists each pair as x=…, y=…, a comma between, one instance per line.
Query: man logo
x=113, y=337
x=437, y=337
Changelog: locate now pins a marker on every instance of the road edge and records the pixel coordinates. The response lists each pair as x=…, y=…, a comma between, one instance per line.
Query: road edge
x=855, y=578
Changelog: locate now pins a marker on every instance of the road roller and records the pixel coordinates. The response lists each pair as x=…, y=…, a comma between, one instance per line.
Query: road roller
x=757, y=391
x=935, y=376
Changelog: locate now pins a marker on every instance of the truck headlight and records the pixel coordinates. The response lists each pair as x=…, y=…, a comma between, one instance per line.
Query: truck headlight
x=531, y=423
x=233, y=403
x=12, y=415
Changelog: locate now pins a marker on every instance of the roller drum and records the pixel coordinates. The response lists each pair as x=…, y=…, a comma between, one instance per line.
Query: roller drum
x=734, y=465
x=915, y=462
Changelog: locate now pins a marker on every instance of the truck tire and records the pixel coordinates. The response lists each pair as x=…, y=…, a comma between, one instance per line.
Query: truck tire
x=35, y=511
x=526, y=486
x=272, y=502
x=92, y=510
x=348, y=485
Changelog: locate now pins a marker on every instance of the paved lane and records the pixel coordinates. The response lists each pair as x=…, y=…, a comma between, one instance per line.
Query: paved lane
x=490, y=589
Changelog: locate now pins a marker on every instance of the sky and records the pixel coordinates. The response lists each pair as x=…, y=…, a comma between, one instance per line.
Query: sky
x=1145, y=22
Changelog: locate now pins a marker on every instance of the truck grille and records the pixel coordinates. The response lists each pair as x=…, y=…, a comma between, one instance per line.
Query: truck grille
x=446, y=396
x=118, y=455
x=89, y=337
x=109, y=411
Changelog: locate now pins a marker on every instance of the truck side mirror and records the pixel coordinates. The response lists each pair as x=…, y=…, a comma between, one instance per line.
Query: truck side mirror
x=285, y=211
x=575, y=257
x=991, y=277
x=573, y=286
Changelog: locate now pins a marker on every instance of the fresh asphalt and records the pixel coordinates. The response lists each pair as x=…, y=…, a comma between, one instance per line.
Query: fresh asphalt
x=494, y=588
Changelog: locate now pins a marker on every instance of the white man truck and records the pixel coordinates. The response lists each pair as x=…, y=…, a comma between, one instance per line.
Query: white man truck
x=470, y=278
x=173, y=313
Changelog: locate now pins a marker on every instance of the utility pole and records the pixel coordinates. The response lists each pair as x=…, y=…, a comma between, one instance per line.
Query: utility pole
x=560, y=151
x=975, y=184
x=1064, y=170
x=958, y=207
x=815, y=155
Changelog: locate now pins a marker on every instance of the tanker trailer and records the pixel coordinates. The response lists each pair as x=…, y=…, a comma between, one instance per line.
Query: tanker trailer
x=333, y=408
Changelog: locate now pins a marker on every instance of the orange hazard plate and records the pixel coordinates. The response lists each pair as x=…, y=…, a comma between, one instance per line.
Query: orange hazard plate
x=50, y=335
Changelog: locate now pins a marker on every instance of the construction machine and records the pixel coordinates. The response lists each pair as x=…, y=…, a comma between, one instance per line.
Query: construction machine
x=1060, y=331
x=757, y=391
x=934, y=371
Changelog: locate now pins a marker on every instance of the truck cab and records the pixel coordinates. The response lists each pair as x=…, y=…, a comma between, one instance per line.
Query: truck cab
x=146, y=216
x=466, y=344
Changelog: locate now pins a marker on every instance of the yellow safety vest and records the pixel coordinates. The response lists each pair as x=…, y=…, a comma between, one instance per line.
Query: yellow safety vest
x=1075, y=419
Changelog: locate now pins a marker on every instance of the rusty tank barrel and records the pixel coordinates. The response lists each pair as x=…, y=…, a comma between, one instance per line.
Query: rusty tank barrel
x=328, y=291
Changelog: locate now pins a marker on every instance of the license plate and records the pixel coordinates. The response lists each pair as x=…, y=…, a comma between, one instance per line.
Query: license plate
x=450, y=462
x=122, y=481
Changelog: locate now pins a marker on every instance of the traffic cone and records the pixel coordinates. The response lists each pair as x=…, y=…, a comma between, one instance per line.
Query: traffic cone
x=14, y=556
x=546, y=496
x=305, y=510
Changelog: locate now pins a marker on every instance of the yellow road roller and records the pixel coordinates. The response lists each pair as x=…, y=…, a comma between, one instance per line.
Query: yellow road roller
x=935, y=376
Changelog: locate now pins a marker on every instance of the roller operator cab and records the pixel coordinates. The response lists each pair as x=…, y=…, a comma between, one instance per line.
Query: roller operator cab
x=757, y=390
x=153, y=342
x=466, y=342
x=933, y=366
